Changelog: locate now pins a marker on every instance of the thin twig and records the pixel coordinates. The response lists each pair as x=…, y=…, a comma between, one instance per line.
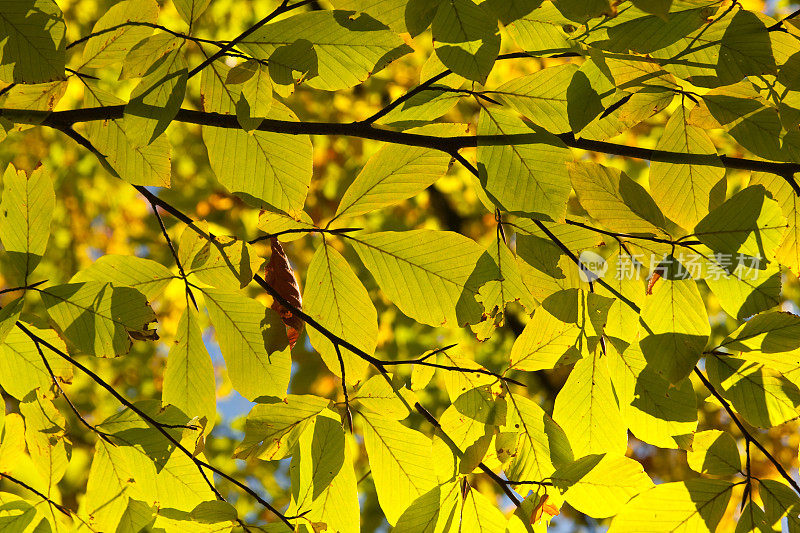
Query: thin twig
x=284, y=7
x=26, y=287
x=102, y=434
x=344, y=388
x=745, y=433
x=188, y=289
x=65, y=510
x=337, y=231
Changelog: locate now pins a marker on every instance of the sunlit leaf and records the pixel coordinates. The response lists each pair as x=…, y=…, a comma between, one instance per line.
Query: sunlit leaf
x=32, y=50
x=253, y=342
x=99, y=318
x=441, y=273
x=25, y=211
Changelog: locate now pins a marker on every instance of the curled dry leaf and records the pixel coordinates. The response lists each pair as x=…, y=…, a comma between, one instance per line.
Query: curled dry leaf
x=280, y=276
x=543, y=507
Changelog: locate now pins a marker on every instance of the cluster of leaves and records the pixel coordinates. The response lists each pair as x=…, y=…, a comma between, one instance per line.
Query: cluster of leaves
x=702, y=367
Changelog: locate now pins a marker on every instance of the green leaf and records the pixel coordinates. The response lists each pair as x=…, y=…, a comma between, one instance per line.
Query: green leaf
x=98, y=318
x=33, y=48
x=565, y=328
x=421, y=108
x=47, y=442
x=749, y=119
x=714, y=452
x=189, y=375
x=383, y=398
x=412, y=16
x=8, y=318
x=684, y=191
x=190, y=10
x=481, y=515
x=255, y=99
x=748, y=223
x=779, y=501
x=441, y=273
x=655, y=412
x=541, y=96
x=144, y=275
x=657, y=7
x=21, y=367
x=639, y=31
x=674, y=328
x=433, y=512
x=401, y=461
x=16, y=515
x=470, y=423
x=582, y=10
x=336, y=298
x=207, y=517
x=253, y=342
x=466, y=39
x=139, y=165
x=623, y=318
x=157, y=98
x=110, y=47
x=394, y=173
x=148, y=53
x=587, y=409
x=273, y=221
x=615, y=200
x=601, y=485
x=273, y=429
x=345, y=48
x=25, y=211
x=225, y=263
x=535, y=444
x=108, y=487
x=160, y=472
x=693, y=505
x=510, y=10
x=261, y=167
x=764, y=397
x=525, y=178
x=541, y=31
x=323, y=479
x=778, y=188
x=735, y=46
x=508, y=287
x=747, y=291
x=768, y=332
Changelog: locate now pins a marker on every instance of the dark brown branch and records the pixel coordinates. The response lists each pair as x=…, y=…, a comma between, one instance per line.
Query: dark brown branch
x=64, y=120
x=337, y=231
x=31, y=286
x=745, y=433
x=199, y=463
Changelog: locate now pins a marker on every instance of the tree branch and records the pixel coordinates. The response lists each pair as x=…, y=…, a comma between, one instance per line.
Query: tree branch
x=64, y=120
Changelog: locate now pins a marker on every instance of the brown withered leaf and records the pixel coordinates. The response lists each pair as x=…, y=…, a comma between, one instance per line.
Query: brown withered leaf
x=280, y=276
